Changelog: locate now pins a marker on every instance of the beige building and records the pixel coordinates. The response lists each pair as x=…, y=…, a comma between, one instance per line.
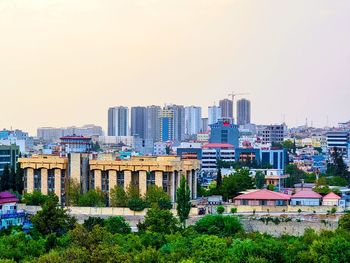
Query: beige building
x=50, y=173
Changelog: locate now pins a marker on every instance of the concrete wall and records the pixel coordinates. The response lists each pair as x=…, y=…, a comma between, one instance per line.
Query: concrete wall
x=282, y=209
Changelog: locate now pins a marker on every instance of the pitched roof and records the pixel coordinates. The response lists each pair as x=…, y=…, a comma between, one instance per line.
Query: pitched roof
x=331, y=195
x=263, y=194
x=307, y=193
x=7, y=197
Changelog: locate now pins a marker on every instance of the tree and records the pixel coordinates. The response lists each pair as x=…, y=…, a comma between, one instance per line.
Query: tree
x=289, y=145
x=344, y=222
x=52, y=218
x=94, y=198
x=219, y=225
x=295, y=175
x=183, y=201
x=220, y=209
x=259, y=180
x=118, y=197
x=35, y=198
x=218, y=179
x=159, y=221
x=155, y=196
x=93, y=221
x=337, y=166
x=117, y=225
x=19, y=176
x=271, y=187
x=73, y=193
x=237, y=182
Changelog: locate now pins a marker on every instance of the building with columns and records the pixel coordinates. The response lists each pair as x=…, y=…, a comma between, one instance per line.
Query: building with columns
x=50, y=174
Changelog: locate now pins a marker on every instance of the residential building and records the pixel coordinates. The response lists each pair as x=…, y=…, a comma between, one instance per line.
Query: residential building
x=224, y=132
x=262, y=198
x=8, y=156
x=226, y=106
x=331, y=199
x=49, y=134
x=339, y=140
x=153, y=123
x=49, y=173
x=76, y=144
x=214, y=114
x=161, y=148
x=167, y=125
x=193, y=119
x=204, y=125
x=118, y=121
x=271, y=134
x=203, y=137
x=243, y=112
x=9, y=214
x=179, y=122
x=138, y=121
x=306, y=197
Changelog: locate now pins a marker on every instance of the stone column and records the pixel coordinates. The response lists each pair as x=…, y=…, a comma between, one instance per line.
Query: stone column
x=127, y=179
x=195, y=177
x=172, y=187
x=112, y=175
x=142, y=182
x=190, y=183
x=58, y=184
x=98, y=179
x=30, y=180
x=44, y=189
x=159, y=178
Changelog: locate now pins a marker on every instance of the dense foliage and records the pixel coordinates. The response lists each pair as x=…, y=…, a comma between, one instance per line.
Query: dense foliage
x=214, y=238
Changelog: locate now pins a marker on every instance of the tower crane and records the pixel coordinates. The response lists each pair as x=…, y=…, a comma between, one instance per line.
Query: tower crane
x=233, y=95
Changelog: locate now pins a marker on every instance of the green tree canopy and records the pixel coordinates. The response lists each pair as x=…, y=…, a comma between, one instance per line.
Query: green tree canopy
x=118, y=197
x=235, y=183
x=183, y=201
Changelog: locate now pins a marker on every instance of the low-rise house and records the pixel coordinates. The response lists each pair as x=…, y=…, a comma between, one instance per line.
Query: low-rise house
x=306, y=197
x=262, y=198
x=331, y=199
x=9, y=215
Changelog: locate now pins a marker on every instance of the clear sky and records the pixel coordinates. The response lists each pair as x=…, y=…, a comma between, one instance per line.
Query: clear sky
x=65, y=62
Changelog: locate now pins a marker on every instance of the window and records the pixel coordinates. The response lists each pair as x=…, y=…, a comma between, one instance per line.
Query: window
x=120, y=179
x=37, y=179
x=151, y=179
x=51, y=180
x=105, y=181
x=165, y=181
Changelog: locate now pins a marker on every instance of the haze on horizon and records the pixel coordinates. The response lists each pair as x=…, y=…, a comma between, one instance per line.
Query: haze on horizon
x=65, y=62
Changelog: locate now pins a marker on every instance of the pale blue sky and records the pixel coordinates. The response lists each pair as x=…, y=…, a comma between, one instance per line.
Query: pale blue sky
x=65, y=62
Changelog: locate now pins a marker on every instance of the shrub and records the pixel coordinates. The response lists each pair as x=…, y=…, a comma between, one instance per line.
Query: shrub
x=137, y=204
x=93, y=221
x=220, y=209
x=219, y=225
x=234, y=210
x=333, y=210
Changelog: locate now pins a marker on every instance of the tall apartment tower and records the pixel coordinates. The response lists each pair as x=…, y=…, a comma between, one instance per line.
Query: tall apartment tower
x=118, y=121
x=166, y=117
x=138, y=121
x=153, y=123
x=204, y=125
x=193, y=118
x=214, y=114
x=226, y=106
x=243, y=112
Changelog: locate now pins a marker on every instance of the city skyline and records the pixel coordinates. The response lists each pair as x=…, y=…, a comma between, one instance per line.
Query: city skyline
x=64, y=63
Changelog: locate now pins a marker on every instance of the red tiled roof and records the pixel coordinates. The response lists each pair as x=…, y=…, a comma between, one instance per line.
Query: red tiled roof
x=331, y=195
x=217, y=145
x=7, y=197
x=263, y=194
x=307, y=193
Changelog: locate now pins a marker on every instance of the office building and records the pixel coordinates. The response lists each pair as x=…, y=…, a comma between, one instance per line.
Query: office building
x=76, y=144
x=118, y=121
x=153, y=123
x=138, y=121
x=212, y=152
x=193, y=118
x=243, y=112
x=214, y=114
x=8, y=157
x=224, y=132
x=179, y=122
x=49, y=174
x=271, y=134
x=226, y=106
